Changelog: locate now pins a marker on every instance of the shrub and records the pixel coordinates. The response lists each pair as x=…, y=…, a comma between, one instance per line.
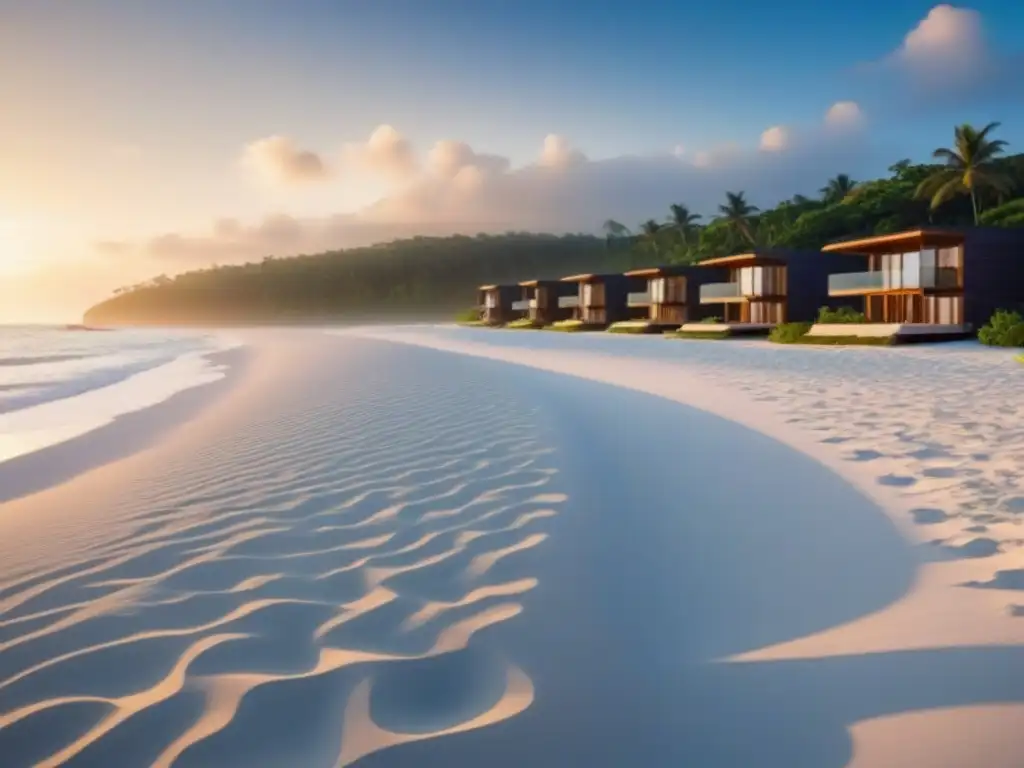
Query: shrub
x=1004, y=329
x=827, y=315
x=711, y=320
x=468, y=316
x=788, y=333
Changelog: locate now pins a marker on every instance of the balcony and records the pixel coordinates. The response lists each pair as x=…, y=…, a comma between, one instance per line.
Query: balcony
x=879, y=281
x=858, y=282
x=712, y=292
x=568, y=302
x=638, y=299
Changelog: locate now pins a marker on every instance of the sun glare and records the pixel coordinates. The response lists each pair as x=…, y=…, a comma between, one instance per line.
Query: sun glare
x=15, y=247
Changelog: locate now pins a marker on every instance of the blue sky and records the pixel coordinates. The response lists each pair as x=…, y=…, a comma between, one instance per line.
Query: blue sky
x=126, y=120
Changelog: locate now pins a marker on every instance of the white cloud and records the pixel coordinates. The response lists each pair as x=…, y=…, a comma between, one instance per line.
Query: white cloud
x=277, y=159
x=386, y=153
x=775, y=138
x=946, y=59
x=459, y=190
x=558, y=153
x=844, y=115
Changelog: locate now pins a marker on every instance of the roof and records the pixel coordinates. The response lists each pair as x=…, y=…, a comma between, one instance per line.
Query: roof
x=741, y=260
x=535, y=283
x=588, y=277
x=488, y=288
x=668, y=269
x=935, y=236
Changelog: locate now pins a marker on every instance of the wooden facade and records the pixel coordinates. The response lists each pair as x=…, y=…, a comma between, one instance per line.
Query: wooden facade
x=495, y=303
x=772, y=286
x=672, y=295
x=600, y=300
x=539, y=301
x=930, y=276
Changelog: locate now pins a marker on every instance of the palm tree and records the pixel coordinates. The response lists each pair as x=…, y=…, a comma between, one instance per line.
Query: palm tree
x=614, y=232
x=968, y=167
x=900, y=167
x=737, y=212
x=682, y=221
x=837, y=189
x=649, y=232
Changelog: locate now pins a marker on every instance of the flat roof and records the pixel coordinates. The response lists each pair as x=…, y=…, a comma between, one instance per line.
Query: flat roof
x=586, y=277
x=665, y=269
x=535, y=283
x=487, y=288
x=741, y=260
x=938, y=236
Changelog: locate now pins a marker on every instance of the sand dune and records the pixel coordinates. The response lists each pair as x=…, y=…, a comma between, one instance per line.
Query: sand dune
x=379, y=555
x=337, y=535
x=935, y=436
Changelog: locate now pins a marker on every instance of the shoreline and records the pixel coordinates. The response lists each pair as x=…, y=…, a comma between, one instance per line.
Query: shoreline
x=129, y=433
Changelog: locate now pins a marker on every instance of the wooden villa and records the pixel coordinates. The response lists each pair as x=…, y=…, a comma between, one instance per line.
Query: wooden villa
x=770, y=286
x=929, y=283
x=672, y=295
x=539, y=302
x=495, y=303
x=599, y=300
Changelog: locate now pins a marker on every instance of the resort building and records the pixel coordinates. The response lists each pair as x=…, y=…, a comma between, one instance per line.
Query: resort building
x=599, y=300
x=771, y=286
x=495, y=302
x=539, y=301
x=672, y=294
x=930, y=282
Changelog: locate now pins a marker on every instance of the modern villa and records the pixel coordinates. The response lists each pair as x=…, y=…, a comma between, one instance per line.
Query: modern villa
x=539, y=301
x=495, y=302
x=672, y=295
x=599, y=300
x=771, y=286
x=929, y=283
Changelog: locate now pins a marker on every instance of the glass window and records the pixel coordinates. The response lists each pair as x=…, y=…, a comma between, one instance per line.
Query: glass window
x=911, y=270
x=657, y=287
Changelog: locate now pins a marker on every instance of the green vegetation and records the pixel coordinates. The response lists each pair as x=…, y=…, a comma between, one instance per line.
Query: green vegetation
x=789, y=333
x=468, y=316
x=711, y=320
x=1004, y=329
x=690, y=334
x=828, y=316
x=569, y=326
x=524, y=323
x=431, y=277
x=630, y=326
x=864, y=341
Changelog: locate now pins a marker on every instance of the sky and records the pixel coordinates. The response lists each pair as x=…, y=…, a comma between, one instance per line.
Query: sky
x=154, y=137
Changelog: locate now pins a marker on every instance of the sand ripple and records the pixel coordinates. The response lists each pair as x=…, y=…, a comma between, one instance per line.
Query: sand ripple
x=266, y=597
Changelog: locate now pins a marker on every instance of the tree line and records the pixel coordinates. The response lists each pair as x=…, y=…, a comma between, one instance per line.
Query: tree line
x=972, y=182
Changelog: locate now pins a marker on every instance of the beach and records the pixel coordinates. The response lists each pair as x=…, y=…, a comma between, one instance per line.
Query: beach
x=429, y=546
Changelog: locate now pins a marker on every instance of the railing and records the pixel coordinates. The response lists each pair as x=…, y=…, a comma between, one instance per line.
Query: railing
x=882, y=280
x=858, y=281
x=638, y=299
x=568, y=302
x=520, y=306
x=719, y=291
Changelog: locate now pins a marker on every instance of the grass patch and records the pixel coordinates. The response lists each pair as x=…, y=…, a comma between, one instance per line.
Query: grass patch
x=710, y=335
x=568, y=326
x=863, y=341
x=1020, y=359
x=788, y=333
x=474, y=324
x=524, y=323
x=630, y=326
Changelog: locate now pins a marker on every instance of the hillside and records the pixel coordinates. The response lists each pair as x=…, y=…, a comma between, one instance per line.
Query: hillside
x=432, y=277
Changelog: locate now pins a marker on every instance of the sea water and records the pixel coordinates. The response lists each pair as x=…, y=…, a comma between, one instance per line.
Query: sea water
x=57, y=384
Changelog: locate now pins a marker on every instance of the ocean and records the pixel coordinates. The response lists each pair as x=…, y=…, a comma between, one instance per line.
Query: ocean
x=57, y=384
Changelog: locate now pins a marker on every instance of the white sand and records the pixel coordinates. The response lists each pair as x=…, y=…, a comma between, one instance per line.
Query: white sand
x=934, y=435
x=380, y=555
